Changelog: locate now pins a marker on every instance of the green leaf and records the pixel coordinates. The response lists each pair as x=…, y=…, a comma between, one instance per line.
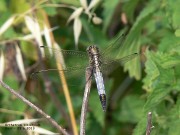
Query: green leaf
x=140, y=127
x=156, y=97
x=159, y=67
x=173, y=12
x=161, y=77
x=131, y=109
x=152, y=71
x=169, y=43
x=174, y=120
x=108, y=12
x=134, y=66
x=170, y=61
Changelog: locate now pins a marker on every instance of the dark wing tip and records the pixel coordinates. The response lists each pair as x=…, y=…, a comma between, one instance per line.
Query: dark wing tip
x=42, y=46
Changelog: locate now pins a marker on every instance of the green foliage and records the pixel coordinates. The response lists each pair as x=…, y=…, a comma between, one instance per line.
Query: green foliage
x=129, y=8
x=153, y=31
x=108, y=12
x=130, y=109
x=19, y=7
x=3, y=6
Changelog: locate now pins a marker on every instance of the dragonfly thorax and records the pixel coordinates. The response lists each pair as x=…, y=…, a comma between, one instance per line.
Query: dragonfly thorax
x=92, y=50
x=94, y=56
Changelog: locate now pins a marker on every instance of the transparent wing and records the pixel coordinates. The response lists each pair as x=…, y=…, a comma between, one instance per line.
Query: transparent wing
x=74, y=76
x=70, y=58
x=73, y=63
x=109, y=65
x=114, y=45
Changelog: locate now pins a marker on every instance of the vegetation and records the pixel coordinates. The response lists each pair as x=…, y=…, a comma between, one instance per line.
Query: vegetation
x=148, y=83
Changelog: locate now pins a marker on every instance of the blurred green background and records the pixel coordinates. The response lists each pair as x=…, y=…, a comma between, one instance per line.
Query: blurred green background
x=150, y=82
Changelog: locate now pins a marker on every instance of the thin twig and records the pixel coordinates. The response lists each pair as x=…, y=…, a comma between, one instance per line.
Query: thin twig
x=149, y=123
x=85, y=100
x=52, y=121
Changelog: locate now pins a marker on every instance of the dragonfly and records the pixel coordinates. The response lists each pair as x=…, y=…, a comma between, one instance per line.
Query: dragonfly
x=99, y=62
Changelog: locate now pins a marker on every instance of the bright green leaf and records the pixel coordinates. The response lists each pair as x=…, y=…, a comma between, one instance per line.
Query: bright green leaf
x=169, y=43
x=173, y=13
x=152, y=72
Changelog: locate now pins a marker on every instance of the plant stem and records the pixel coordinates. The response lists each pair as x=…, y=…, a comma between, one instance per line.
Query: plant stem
x=149, y=123
x=85, y=100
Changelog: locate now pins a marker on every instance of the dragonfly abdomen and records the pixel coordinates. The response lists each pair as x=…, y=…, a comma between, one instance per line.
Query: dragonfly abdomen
x=100, y=88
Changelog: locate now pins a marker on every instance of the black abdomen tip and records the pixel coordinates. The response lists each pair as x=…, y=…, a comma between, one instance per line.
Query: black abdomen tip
x=103, y=101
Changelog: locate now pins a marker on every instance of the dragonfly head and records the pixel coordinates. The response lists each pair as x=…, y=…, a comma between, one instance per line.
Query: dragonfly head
x=92, y=50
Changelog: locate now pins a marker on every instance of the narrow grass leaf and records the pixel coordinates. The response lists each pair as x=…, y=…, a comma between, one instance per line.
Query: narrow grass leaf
x=34, y=28
x=20, y=63
x=6, y=25
x=75, y=14
x=77, y=30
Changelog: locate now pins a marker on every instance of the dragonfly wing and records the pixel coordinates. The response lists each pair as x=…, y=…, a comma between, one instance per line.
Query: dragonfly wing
x=74, y=76
x=109, y=65
x=114, y=45
x=68, y=58
x=73, y=65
